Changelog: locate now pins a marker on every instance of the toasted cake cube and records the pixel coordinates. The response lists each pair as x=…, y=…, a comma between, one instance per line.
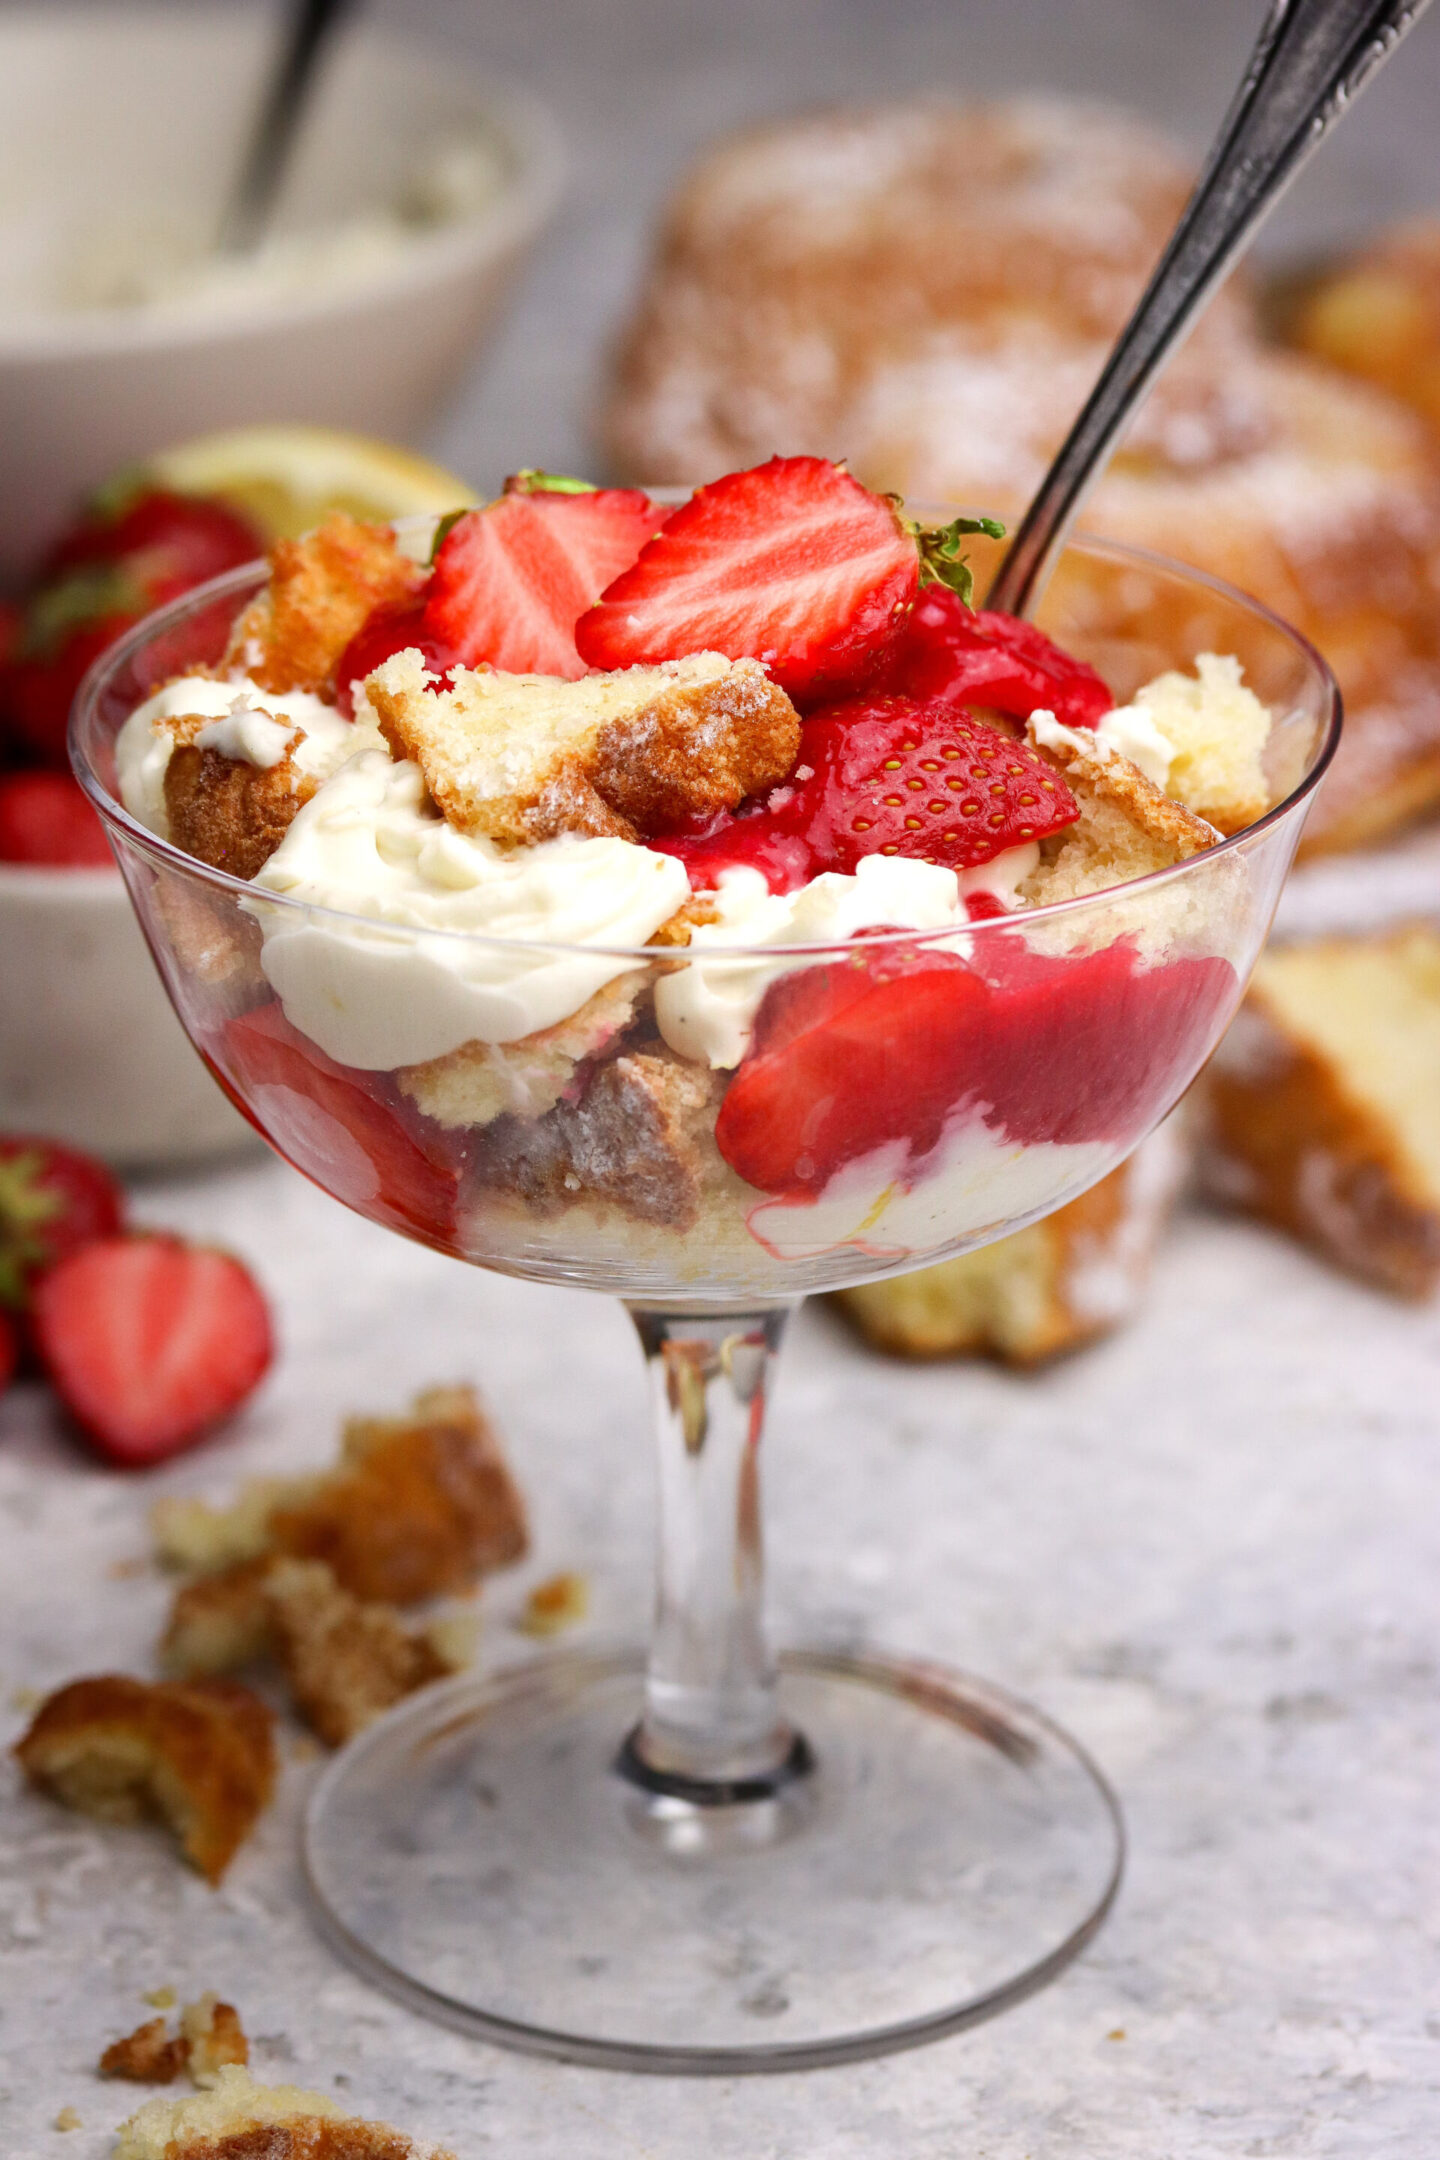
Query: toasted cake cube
x=520, y=758
x=321, y=590
x=482, y=1081
x=418, y=1505
x=230, y=814
x=214, y=2038
x=1045, y=1290
x=1126, y=827
x=641, y=1138
x=241, y=2120
x=344, y=1660
x=210, y=2036
x=1323, y=1103
x=198, y=1754
x=219, y=1622
x=147, y=2056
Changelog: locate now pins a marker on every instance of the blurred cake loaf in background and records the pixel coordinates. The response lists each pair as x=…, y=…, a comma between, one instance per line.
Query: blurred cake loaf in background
x=1375, y=313
x=1321, y=1108
x=1052, y=1287
x=929, y=290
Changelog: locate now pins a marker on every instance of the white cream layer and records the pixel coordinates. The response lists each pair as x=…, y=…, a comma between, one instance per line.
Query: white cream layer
x=369, y=844
x=975, y=1182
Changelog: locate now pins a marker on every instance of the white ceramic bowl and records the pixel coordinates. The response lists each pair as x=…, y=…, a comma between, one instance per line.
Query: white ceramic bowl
x=90, y=1051
x=108, y=116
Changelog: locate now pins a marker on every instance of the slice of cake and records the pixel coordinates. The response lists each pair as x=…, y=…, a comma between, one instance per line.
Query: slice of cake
x=520, y=758
x=1323, y=1103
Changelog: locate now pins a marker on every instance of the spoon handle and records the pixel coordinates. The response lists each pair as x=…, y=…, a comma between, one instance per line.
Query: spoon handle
x=267, y=154
x=1312, y=59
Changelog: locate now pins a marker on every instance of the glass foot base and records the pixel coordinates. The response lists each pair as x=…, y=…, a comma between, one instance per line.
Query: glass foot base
x=480, y=1853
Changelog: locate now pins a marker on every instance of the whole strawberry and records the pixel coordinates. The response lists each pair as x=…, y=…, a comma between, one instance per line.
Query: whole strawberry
x=129, y=551
x=45, y=821
x=793, y=563
x=53, y=1200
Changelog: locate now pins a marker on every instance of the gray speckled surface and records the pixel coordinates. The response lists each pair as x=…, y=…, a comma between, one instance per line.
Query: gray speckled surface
x=1210, y=1546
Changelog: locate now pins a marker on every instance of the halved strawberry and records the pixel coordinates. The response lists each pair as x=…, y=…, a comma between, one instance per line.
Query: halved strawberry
x=342, y=1128
x=46, y=821
x=149, y=1342
x=978, y=657
x=389, y=630
x=847, y=1058
x=883, y=1048
x=53, y=1200
x=793, y=563
x=887, y=776
x=511, y=580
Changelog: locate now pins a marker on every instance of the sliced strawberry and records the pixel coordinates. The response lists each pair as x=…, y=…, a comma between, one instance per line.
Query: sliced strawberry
x=792, y=563
x=887, y=776
x=511, y=580
x=886, y=1047
x=1095, y=1046
x=53, y=1200
x=344, y=1129
x=149, y=1342
x=976, y=657
x=389, y=630
x=874, y=1051
x=46, y=821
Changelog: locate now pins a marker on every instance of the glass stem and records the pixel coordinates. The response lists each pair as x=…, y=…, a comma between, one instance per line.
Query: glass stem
x=712, y=1728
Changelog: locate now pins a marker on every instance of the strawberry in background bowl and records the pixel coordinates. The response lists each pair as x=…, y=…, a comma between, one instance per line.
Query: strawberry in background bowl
x=89, y=1048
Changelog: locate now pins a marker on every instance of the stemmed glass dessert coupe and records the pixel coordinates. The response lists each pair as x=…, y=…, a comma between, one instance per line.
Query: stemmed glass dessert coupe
x=705, y=1858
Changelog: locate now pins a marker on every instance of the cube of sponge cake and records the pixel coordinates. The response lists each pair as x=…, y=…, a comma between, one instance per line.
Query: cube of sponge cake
x=520, y=758
x=418, y=1505
x=1218, y=728
x=200, y=1754
x=241, y=2120
x=1323, y=1103
x=1126, y=827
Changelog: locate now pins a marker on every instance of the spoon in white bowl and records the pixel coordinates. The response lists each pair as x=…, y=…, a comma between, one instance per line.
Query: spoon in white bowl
x=307, y=30
x=1312, y=59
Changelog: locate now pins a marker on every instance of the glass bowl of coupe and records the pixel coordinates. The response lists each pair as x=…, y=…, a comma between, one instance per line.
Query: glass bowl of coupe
x=922, y=977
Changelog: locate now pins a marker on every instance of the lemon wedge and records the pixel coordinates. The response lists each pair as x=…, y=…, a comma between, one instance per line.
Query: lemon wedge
x=286, y=477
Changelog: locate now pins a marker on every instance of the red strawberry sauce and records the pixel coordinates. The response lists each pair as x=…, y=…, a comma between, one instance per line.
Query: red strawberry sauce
x=1065, y=1050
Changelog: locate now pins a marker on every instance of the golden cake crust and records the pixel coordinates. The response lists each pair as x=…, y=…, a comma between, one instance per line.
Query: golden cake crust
x=321, y=590
x=198, y=1754
x=1323, y=1104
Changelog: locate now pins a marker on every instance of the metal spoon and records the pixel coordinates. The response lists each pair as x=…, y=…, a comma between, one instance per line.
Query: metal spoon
x=1312, y=59
x=268, y=153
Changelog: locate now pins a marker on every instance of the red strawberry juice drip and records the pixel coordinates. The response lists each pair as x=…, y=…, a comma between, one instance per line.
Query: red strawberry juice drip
x=978, y=657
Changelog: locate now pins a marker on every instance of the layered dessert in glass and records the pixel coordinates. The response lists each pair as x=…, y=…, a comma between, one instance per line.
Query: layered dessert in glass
x=702, y=901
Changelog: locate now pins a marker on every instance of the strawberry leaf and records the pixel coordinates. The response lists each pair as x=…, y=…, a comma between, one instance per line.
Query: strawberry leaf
x=941, y=562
